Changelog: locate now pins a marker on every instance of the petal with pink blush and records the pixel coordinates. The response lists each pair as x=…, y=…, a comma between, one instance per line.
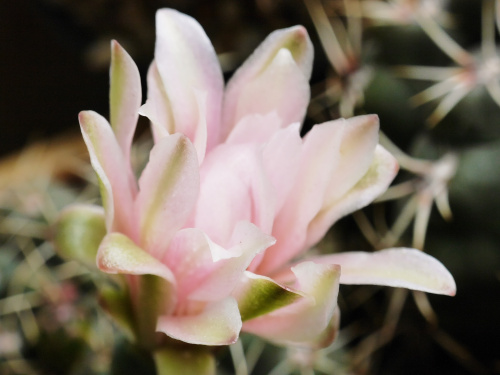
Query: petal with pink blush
x=303, y=322
x=281, y=87
x=359, y=139
x=219, y=323
x=200, y=134
x=397, y=267
x=124, y=97
x=255, y=128
x=157, y=107
x=293, y=39
x=115, y=175
x=119, y=254
x=281, y=157
x=223, y=274
x=234, y=187
x=376, y=180
x=168, y=189
x=318, y=159
x=187, y=63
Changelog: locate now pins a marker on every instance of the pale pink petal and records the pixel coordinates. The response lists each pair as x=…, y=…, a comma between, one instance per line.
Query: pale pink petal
x=157, y=107
x=200, y=134
x=115, y=175
x=296, y=41
x=219, y=323
x=357, y=149
x=234, y=188
x=281, y=87
x=190, y=257
x=119, y=254
x=319, y=157
x=168, y=189
x=396, y=267
x=187, y=63
x=376, y=181
x=303, y=322
x=124, y=97
x=222, y=275
x=281, y=155
x=255, y=128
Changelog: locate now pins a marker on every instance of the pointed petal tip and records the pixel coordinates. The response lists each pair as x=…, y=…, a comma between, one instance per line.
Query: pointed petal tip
x=82, y=115
x=299, y=32
x=370, y=120
x=373, y=118
x=116, y=47
x=85, y=117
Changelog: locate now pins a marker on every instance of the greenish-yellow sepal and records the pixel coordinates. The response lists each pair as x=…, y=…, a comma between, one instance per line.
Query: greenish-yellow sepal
x=116, y=302
x=78, y=233
x=192, y=361
x=259, y=295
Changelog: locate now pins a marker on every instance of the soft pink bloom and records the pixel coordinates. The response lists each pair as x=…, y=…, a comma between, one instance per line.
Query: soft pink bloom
x=229, y=177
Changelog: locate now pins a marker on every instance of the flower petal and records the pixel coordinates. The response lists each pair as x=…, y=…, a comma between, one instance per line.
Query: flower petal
x=397, y=267
x=376, y=180
x=234, y=187
x=204, y=270
x=187, y=63
x=318, y=159
x=124, y=97
x=259, y=295
x=119, y=254
x=157, y=107
x=168, y=189
x=255, y=128
x=200, y=133
x=280, y=87
x=78, y=232
x=359, y=139
x=219, y=323
x=247, y=240
x=281, y=157
x=304, y=322
x=298, y=69
x=115, y=176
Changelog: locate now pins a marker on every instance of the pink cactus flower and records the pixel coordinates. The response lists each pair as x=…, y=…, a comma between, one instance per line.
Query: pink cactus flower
x=232, y=196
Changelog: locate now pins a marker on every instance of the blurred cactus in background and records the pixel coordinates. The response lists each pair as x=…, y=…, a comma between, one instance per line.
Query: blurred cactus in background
x=429, y=69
